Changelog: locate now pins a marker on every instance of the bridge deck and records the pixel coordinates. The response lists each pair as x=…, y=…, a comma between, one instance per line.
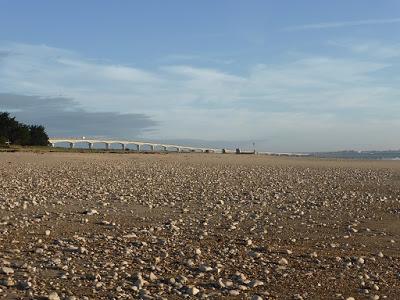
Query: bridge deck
x=125, y=143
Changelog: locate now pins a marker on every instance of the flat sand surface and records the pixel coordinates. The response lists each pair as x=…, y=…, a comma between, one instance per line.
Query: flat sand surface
x=197, y=226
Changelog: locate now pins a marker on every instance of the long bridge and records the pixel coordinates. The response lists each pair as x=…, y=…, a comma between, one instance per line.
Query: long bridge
x=136, y=145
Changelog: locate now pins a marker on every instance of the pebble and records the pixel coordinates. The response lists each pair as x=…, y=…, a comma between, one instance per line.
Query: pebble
x=361, y=260
x=234, y=292
x=254, y=283
x=283, y=261
x=53, y=296
x=192, y=291
x=6, y=271
x=7, y=282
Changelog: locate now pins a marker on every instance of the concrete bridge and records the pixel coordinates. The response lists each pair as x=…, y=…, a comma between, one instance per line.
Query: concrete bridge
x=124, y=144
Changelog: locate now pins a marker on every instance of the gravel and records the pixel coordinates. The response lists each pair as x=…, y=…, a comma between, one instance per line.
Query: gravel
x=173, y=226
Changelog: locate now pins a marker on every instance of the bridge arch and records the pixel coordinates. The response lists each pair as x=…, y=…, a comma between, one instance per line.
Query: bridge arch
x=133, y=146
x=148, y=147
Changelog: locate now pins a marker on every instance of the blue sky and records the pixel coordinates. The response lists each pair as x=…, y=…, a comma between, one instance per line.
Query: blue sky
x=290, y=75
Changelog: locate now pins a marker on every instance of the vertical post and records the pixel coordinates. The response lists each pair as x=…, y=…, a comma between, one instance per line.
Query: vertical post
x=138, y=148
x=71, y=145
x=90, y=146
x=107, y=146
x=152, y=148
x=123, y=147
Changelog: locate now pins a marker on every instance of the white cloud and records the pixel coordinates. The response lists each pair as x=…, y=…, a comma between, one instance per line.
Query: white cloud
x=202, y=74
x=195, y=58
x=374, y=49
x=109, y=72
x=306, y=98
x=339, y=24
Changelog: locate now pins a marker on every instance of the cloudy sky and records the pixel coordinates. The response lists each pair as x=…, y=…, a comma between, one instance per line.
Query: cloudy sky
x=288, y=75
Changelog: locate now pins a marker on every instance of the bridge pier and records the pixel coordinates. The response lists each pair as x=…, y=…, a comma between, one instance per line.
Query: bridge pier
x=163, y=148
x=90, y=145
x=71, y=145
x=123, y=147
x=107, y=146
x=152, y=148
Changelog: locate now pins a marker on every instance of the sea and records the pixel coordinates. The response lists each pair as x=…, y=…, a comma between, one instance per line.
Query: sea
x=368, y=155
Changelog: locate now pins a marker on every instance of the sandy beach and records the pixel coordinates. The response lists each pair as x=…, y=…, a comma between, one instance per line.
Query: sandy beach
x=197, y=226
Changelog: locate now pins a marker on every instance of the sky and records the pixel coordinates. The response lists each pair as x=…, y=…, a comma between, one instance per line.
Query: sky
x=299, y=76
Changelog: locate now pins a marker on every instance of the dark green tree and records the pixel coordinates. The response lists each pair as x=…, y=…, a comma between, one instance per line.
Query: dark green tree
x=3, y=140
x=38, y=136
x=7, y=125
x=21, y=134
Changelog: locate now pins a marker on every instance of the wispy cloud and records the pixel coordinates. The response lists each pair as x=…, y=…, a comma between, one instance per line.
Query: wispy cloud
x=196, y=58
x=375, y=49
x=327, y=25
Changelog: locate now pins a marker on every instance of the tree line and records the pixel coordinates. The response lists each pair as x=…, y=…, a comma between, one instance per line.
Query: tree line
x=17, y=133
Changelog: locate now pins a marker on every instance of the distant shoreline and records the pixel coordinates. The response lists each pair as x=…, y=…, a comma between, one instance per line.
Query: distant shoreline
x=345, y=155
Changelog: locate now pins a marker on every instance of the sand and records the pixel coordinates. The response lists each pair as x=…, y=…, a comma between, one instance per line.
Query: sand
x=174, y=226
